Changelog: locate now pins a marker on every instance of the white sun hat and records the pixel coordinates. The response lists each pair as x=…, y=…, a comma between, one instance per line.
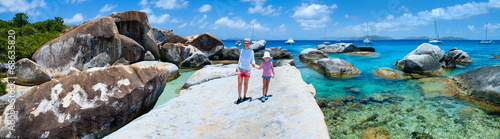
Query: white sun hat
x=266, y=54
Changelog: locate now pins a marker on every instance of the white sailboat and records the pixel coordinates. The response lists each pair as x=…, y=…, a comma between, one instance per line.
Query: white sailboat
x=435, y=40
x=485, y=41
x=324, y=38
x=367, y=40
x=290, y=41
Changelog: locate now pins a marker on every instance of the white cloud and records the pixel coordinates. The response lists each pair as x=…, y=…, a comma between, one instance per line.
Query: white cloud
x=74, y=1
x=409, y=21
x=107, y=7
x=404, y=9
x=260, y=8
x=471, y=27
x=314, y=15
x=158, y=20
x=97, y=16
x=147, y=10
x=175, y=20
x=143, y=2
x=202, y=19
x=20, y=5
x=282, y=28
x=350, y=17
x=205, y=8
x=492, y=27
x=76, y=18
x=239, y=24
x=171, y=4
x=183, y=25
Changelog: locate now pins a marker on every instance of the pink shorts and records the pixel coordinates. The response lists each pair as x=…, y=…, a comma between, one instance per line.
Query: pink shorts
x=243, y=73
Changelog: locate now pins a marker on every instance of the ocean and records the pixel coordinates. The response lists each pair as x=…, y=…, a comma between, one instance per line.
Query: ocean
x=404, y=108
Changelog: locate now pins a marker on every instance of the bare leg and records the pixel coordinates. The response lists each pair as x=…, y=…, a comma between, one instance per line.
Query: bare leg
x=240, y=80
x=263, y=87
x=246, y=87
x=267, y=85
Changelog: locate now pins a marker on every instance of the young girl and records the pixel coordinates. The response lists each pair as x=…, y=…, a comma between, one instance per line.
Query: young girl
x=267, y=67
x=245, y=63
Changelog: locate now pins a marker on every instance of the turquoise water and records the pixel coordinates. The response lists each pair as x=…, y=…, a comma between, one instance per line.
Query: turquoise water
x=172, y=88
x=404, y=108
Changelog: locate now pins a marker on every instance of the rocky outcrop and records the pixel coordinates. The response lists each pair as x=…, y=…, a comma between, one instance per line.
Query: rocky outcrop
x=161, y=35
x=207, y=110
x=4, y=67
x=121, y=61
x=86, y=104
x=131, y=50
x=78, y=46
x=284, y=62
x=334, y=67
x=197, y=60
x=149, y=57
x=388, y=73
x=135, y=25
x=455, y=56
x=423, y=60
x=206, y=43
x=258, y=45
x=101, y=60
x=172, y=68
x=337, y=48
x=232, y=53
x=175, y=39
x=14, y=93
x=72, y=70
x=29, y=73
x=366, y=49
x=483, y=83
x=276, y=53
x=309, y=55
x=176, y=52
x=211, y=72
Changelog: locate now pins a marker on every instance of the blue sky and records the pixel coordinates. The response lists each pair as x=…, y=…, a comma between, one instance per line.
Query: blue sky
x=273, y=19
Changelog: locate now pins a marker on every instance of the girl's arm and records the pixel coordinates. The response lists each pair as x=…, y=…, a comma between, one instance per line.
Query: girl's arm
x=272, y=69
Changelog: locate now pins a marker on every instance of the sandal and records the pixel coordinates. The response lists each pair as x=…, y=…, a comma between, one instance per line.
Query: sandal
x=238, y=101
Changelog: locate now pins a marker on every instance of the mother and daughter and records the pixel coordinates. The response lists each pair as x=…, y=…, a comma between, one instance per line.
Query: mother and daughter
x=246, y=61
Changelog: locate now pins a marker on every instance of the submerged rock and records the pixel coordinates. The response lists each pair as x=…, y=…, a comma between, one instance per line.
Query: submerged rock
x=207, y=110
x=389, y=73
x=310, y=55
x=258, y=45
x=375, y=133
x=29, y=73
x=334, y=67
x=78, y=46
x=87, y=104
x=423, y=60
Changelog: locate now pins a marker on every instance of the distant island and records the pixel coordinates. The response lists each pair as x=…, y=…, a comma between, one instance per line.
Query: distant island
x=426, y=38
x=234, y=39
x=375, y=37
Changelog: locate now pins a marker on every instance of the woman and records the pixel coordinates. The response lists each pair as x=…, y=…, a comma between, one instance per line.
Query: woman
x=246, y=61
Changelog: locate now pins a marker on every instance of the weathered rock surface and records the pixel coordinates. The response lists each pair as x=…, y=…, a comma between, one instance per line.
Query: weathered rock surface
x=78, y=46
x=206, y=43
x=121, y=61
x=29, y=73
x=310, y=54
x=149, y=57
x=258, y=45
x=161, y=35
x=86, y=104
x=197, y=60
x=101, y=60
x=72, y=70
x=175, y=39
x=172, y=68
x=131, y=50
x=176, y=52
x=389, y=73
x=135, y=25
x=284, y=62
x=483, y=83
x=366, y=49
x=423, y=60
x=4, y=67
x=337, y=48
x=211, y=72
x=276, y=53
x=18, y=91
x=291, y=112
x=232, y=53
x=334, y=67
x=455, y=56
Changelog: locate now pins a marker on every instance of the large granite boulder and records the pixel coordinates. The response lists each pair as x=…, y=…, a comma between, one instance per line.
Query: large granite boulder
x=310, y=54
x=176, y=52
x=86, y=104
x=197, y=60
x=135, y=25
x=78, y=46
x=206, y=43
x=161, y=35
x=211, y=72
x=366, y=49
x=29, y=73
x=337, y=48
x=101, y=60
x=455, y=56
x=232, y=53
x=423, y=60
x=334, y=67
x=174, y=39
x=172, y=68
x=258, y=45
x=149, y=57
x=121, y=61
x=131, y=50
x=207, y=110
x=276, y=53
x=284, y=62
x=483, y=83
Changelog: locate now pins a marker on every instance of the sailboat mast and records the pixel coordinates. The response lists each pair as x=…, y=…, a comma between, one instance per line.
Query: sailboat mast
x=486, y=38
x=435, y=29
x=368, y=31
x=252, y=31
x=324, y=35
